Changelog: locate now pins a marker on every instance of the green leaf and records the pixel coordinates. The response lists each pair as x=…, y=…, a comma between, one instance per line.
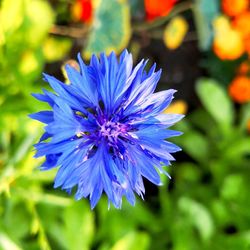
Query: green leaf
x=236, y=241
x=133, y=240
x=204, y=13
x=244, y=116
x=216, y=101
x=220, y=212
x=238, y=149
x=16, y=214
x=192, y=140
x=234, y=188
x=79, y=226
x=116, y=222
x=202, y=120
x=199, y=216
x=111, y=28
x=188, y=172
x=182, y=234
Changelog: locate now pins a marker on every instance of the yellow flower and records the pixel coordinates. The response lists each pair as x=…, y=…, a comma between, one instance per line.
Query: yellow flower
x=177, y=107
x=221, y=24
x=175, y=32
x=228, y=43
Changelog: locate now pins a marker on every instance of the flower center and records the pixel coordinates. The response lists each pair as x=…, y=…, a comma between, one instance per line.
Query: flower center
x=111, y=130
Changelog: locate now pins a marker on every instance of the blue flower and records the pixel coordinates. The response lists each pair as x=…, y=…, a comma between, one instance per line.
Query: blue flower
x=106, y=131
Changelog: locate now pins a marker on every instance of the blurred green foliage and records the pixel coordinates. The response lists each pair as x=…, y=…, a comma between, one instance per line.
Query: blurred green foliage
x=205, y=206
x=216, y=139
x=204, y=13
x=112, y=30
x=21, y=55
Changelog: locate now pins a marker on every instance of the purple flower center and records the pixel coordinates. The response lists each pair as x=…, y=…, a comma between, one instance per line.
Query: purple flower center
x=111, y=130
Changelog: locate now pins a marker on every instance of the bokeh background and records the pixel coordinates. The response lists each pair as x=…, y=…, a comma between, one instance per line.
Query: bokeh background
x=203, y=47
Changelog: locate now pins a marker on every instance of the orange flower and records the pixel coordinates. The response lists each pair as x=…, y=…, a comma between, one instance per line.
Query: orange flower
x=244, y=68
x=82, y=10
x=234, y=7
x=158, y=8
x=239, y=89
x=242, y=23
x=247, y=45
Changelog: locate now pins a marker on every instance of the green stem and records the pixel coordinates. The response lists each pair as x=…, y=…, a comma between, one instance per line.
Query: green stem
x=177, y=10
x=42, y=237
x=244, y=116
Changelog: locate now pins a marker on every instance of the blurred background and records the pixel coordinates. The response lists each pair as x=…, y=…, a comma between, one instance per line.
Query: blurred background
x=203, y=47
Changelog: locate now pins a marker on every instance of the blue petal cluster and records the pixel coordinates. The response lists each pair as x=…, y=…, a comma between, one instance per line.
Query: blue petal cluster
x=106, y=130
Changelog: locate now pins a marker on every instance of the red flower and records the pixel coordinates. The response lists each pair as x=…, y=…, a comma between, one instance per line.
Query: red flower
x=82, y=10
x=158, y=8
